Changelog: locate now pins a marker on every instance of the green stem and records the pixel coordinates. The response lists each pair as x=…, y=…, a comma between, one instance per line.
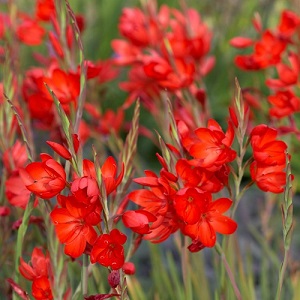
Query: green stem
x=282, y=275
x=229, y=271
x=20, y=238
x=84, y=275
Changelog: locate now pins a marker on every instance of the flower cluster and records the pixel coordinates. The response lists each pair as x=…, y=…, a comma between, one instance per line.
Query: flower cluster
x=39, y=273
x=183, y=199
x=276, y=49
x=166, y=49
x=82, y=206
x=268, y=167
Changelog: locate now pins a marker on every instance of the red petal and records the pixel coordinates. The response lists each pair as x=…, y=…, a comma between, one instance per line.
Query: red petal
x=60, y=150
x=241, y=42
x=223, y=224
x=221, y=205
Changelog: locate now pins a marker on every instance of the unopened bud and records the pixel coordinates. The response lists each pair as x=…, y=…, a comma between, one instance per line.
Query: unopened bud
x=114, y=278
x=129, y=268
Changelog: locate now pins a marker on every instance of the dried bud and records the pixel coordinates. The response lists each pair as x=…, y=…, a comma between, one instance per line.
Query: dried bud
x=4, y=211
x=114, y=278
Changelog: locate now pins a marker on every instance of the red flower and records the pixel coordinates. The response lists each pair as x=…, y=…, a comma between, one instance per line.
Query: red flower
x=74, y=226
x=289, y=23
x=269, y=178
x=109, y=173
x=41, y=289
x=211, y=221
x=138, y=220
x=188, y=204
x=266, y=150
x=111, y=121
x=192, y=176
x=267, y=52
x=270, y=159
x=45, y=179
x=65, y=85
x=211, y=147
x=161, y=70
x=285, y=103
x=85, y=190
x=40, y=265
x=132, y=25
x=30, y=32
x=126, y=53
x=45, y=9
x=16, y=191
x=108, y=249
x=15, y=157
x=158, y=202
x=287, y=75
x=140, y=86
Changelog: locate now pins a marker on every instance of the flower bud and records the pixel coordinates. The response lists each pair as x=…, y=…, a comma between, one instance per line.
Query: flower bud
x=114, y=278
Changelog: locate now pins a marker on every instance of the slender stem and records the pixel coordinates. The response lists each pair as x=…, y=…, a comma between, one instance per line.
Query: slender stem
x=84, y=275
x=282, y=275
x=229, y=271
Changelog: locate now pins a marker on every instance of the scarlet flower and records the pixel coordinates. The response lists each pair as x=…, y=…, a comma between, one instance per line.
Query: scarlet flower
x=108, y=249
x=188, y=204
x=126, y=53
x=211, y=221
x=266, y=150
x=74, y=226
x=40, y=265
x=140, y=86
x=201, y=178
x=190, y=36
x=160, y=69
x=39, y=273
x=109, y=173
x=65, y=85
x=39, y=102
x=41, y=289
x=267, y=52
x=30, y=32
x=158, y=202
x=284, y=102
x=45, y=9
x=289, y=22
x=138, y=220
x=287, y=75
x=133, y=26
x=111, y=121
x=15, y=157
x=211, y=147
x=269, y=178
x=103, y=70
x=85, y=190
x=45, y=179
x=16, y=191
